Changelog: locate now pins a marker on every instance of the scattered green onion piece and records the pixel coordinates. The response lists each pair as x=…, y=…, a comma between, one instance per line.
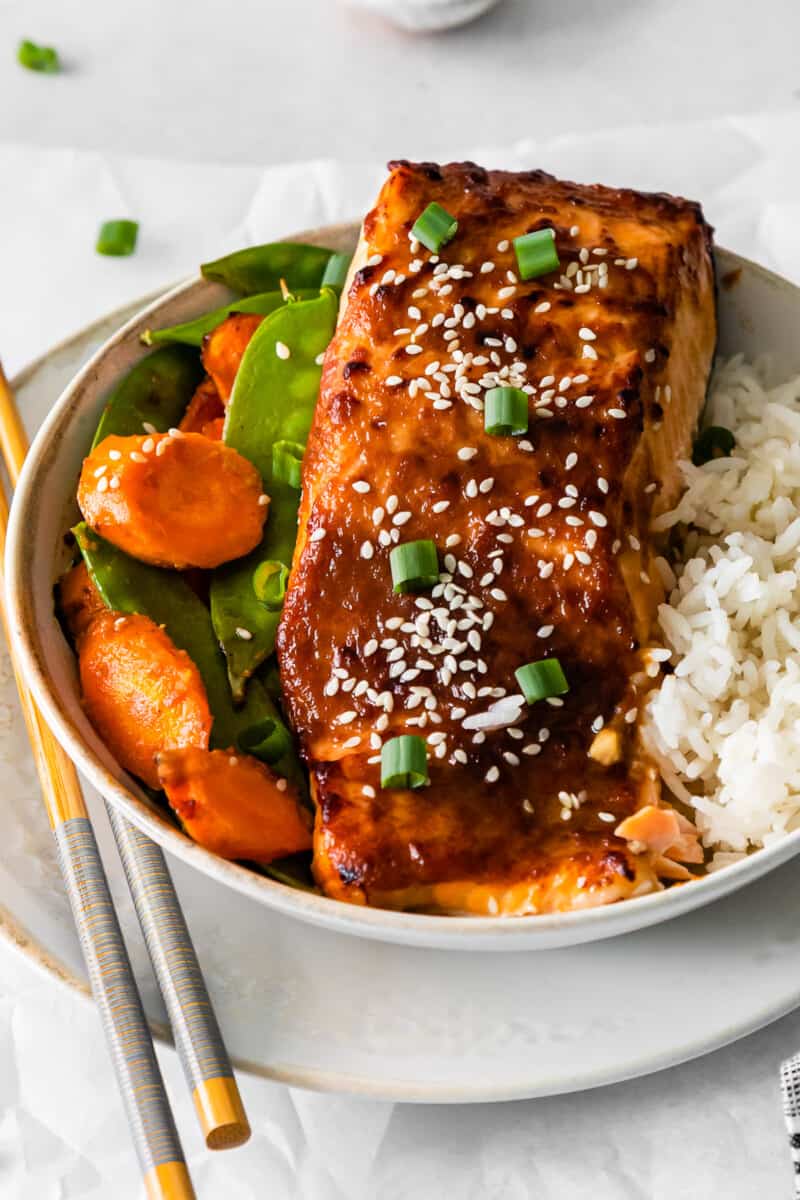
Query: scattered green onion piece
x=287, y=462
x=404, y=762
x=434, y=227
x=117, y=238
x=415, y=566
x=335, y=272
x=38, y=58
x=541, y=679
x=505, y=412
x=716, y=437
x=536, y=253
x=269, y=584
x=268, y=740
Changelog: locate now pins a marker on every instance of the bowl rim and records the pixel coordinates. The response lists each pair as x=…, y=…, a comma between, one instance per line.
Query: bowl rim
x=541, y=931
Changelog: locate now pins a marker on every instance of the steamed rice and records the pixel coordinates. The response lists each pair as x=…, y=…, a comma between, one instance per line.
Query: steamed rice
x=725, y=727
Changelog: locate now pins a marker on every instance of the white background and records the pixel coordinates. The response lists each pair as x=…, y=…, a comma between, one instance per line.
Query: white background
x=281, y=81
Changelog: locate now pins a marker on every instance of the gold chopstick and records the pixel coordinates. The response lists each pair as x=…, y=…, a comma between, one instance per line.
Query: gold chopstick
x=112, y=981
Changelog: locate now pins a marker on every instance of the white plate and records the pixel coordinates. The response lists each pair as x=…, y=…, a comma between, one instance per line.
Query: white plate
x=758, y=312
x=328, y=1011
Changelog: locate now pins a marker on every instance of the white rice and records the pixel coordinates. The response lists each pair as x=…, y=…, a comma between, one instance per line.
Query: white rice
x=725, y=727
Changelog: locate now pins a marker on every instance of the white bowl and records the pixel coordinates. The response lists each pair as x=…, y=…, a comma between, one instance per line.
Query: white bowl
x=759, y=312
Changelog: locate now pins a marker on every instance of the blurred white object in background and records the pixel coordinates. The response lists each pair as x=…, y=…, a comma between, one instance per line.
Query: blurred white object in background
x=427, y=16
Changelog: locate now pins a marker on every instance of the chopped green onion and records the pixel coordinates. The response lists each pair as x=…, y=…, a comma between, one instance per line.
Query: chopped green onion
x=505, y=412
x=404, y=762
x=38, y=58
x=415, y=566
x=269, y=584
x=541, y=679
x=536, y=253
x=716, y=437
x=434, y=227
x=335, y=272
x=287, y=462
x=117, y=238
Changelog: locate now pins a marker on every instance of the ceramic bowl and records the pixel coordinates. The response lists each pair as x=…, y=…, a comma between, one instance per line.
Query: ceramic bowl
x=759, y=312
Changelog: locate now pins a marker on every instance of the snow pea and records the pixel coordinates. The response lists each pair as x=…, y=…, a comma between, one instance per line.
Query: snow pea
x=261, y=268
x=191, y=333
x=273, y=400
x=155, y=392
x=129, y=586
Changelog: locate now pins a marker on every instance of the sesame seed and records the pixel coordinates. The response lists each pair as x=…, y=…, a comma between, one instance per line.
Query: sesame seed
x=649, y=356
x=544, y=510
x=598, y=519
x=543, y=307
x=148, y=428
x=452, y=539
x=505, y=293
x=394, y=381
x=413, y=349
x=147, y=445
x=569, y=462
x=317, y=535
x=583, y=401
x=244, y=634
x=351, y=743
x=367, y=550
x=587, y=335
x=498, y=594
x=391, y=504
x=346, y=718
x=545, y=631
x=401, y=518
x=503, y=246
x=466, y=453
x=100, y=471
x=608, y=817
x=103, y=485
x=136, y=457
x=631, y=264
x=618, y=414
x=583, y=558
x=471, y=489
x=361, y=486
x=574, y=231
x=441, y=505
x=282, y=350
x=486, y=485
x=511, y=758
x=589, y=352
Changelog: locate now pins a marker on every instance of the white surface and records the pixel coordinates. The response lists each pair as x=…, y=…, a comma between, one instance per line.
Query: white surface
x=183, y=81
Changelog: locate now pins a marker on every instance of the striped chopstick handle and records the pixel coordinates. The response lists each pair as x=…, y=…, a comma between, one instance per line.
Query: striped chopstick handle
x=149, y=1115
x=197, y=1035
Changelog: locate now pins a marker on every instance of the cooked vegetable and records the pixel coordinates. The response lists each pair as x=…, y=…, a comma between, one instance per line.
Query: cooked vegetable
x=174, y=500
x=38, y=58
x=536, y=253
x=129, y=586
x=710, y=441
x=142, y=694
x=153, y=396
x=414, y=566
x=505, y=412
x=78, y=599
x=434, y=227
x=191, y=333
x=224, y=347
x=117, y=238
x=541, y=679
x=261, y=268
x=205, y=407
x=404, y=762
x=273, y=401
x=234, y=805
x=287, y=463
x=269, y=584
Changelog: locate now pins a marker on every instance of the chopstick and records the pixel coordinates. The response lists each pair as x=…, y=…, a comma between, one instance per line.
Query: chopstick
x=197, y=1036
x=112, y=982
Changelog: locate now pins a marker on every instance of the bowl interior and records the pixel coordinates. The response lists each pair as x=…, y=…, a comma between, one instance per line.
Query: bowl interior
x=759, y=312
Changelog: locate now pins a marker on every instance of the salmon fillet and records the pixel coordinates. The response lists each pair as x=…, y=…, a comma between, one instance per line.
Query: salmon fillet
x=543, y=541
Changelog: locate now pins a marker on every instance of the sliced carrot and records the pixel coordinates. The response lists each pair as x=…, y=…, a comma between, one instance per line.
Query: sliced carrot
x=142, y=694
x=234, y=805
x=204, y=406
x=223, y=349
x=175, y=500
x=78, y=599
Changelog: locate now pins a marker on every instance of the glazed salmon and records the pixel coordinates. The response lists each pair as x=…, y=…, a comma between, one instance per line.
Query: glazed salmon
x=543, y=542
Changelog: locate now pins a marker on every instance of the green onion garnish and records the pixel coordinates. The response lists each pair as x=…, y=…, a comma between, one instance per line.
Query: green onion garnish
x=269, y=584
x=716, y=437
x=336, y=270
x=38, y=58
x=117, y=238
x=434, y=227
x=287, y=462
x=541, y=679
x=415, y=566
x=268, y=740
x=404, y=762
x=505, y=412
x=536, y=253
